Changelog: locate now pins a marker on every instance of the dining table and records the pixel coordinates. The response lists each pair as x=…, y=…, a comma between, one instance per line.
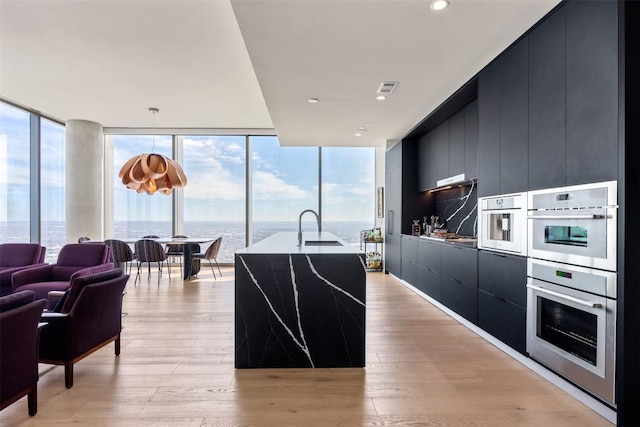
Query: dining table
x=191, y=245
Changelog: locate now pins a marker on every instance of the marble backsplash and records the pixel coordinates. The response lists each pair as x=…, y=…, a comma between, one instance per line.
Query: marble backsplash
x=458, y=206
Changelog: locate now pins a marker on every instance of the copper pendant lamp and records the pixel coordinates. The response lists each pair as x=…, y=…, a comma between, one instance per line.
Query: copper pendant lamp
x=150, y=173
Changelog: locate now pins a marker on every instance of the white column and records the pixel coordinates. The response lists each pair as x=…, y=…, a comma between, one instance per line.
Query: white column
x=84, y=166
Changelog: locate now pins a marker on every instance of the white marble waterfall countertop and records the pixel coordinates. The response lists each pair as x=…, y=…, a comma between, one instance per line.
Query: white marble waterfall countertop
x=313, y=242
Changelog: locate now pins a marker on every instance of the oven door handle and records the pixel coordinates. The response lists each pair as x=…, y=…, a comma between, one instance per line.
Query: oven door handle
x=570, y=217
x=567, y=297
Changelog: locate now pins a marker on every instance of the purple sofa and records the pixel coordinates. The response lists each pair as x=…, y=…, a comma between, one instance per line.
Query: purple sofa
x=15, y=257
x=19, y=337
x=74, y=260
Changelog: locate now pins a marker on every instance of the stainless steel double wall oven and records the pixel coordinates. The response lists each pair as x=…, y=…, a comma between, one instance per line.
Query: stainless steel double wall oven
x=571, y=284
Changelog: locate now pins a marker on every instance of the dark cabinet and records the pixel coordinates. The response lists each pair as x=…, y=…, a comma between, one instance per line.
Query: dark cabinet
x=489, y=130
x=503, y=275
x=502, y=319
x=461, y=264
x=393, y=213
x=460, y=298
x=547, y=103
x=429, y=262
x=409, y=251
x=592, y=91
x=456, y=144
x=433, y=154
x=430, y=255
x=503, y=123
x=428, y=162
x=502, y=297
x=430, y=282
x=460, y=280
x=450, y=149
x=471, y=140
x=514, y=109
x=573, y=97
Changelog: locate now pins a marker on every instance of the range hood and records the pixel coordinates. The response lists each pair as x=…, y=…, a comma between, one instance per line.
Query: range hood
x=452, y=181
x=456, y=179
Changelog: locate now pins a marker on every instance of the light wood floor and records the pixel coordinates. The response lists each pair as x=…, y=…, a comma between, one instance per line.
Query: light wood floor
x=176, y=369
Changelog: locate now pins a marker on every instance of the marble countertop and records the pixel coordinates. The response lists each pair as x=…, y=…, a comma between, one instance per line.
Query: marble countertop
x=286, y=242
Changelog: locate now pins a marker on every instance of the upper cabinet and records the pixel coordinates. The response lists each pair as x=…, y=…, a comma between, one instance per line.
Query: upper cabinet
x=449, y=149
x=548, y=106
x=503, y=120
x=592, y=91
x=573, y=97
x=547, y=103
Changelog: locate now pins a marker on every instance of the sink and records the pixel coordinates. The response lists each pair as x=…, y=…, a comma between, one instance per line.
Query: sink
x=322, y=243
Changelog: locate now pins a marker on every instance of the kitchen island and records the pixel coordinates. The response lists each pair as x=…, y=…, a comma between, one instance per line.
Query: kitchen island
x=300, y=306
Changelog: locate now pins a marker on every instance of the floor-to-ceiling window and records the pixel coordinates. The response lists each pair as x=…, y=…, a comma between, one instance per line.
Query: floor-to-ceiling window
x=348, y=191
x=15, y=139
x=284, y=182
x=52, y=188
x=139, y=214
x=215, y=197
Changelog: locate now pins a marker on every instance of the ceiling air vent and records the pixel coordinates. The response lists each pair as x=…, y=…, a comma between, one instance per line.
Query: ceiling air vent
x=387, y=87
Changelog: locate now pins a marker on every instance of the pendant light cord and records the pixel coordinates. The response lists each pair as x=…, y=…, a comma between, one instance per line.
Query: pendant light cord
x=153, y=133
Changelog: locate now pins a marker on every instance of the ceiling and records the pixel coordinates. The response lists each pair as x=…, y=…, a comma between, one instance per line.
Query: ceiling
x=252, y=64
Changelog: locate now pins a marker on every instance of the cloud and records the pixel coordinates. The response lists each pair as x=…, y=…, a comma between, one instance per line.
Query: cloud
x=267, y=186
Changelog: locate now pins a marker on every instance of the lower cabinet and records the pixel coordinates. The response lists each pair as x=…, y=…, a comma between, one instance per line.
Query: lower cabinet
x=409, y=250
x=460, y=298
x=502, y=297
x=410, y=272
x=502, y=319
x=430, y=282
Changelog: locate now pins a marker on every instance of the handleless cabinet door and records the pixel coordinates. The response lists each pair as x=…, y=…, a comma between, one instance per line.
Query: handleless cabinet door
x=460, y=298
x=514, y=95
x=430, y=255
x=427, y=162
x=471, y=140
x=461, y=264
x=489, y=131
x=430, y=283
x=592, y=91
x=505, y=321
x=456, y=143
x=547, y=103
x=504, y=276
x=410, y=269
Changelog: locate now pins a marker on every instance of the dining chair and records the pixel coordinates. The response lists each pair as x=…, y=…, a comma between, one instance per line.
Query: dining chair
x=121, y=253
x=148, y=251
x=150, y=236
x=176, y=250
x=211, y=255
x=83, y=239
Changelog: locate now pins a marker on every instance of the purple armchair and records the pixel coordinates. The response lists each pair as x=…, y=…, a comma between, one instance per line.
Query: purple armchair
x=74, y=260
x=15, y=257
x=19, y=317
x=90, y=317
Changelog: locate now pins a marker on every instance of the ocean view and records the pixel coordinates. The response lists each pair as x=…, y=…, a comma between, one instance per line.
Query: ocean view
x=232, y=232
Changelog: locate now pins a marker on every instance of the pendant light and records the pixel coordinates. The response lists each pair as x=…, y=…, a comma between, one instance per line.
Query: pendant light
x=150, y=173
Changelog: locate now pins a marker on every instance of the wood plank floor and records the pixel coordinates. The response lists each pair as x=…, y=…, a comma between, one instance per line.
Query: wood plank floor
x=176, y=369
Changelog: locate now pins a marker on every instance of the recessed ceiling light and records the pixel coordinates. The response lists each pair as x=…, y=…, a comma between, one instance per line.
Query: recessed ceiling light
x=313, y=100
x=362, y=129
x=381, y=97
x=439, y=4
x=358, y=134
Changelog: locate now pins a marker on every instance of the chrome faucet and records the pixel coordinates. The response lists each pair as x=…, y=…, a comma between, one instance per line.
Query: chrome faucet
x=300, y=224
